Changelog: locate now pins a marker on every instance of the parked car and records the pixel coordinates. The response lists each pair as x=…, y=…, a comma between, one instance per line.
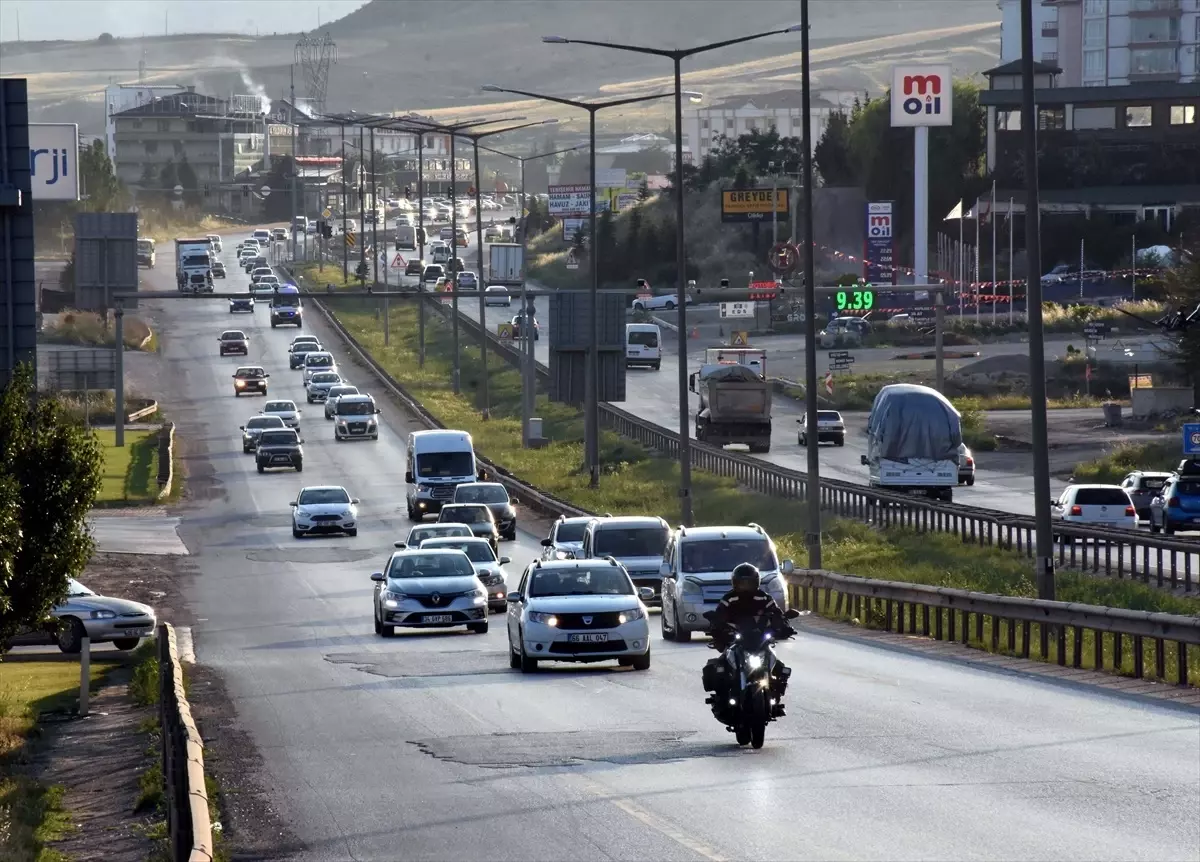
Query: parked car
x=1143, y=486
x=1177, y=506
x=102, y=619
x=966, y=465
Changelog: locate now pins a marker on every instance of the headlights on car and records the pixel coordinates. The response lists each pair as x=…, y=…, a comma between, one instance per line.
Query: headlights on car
x=630, y=616
x=545, y=619
x=103, y=615
x=691, y=587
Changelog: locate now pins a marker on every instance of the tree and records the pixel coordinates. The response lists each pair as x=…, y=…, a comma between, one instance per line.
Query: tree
x=576, y=169
x=632, y=253
x=650, y=160
x=168, y=178
x=50, y=472
x=187, y=179
x=606, y=246
x=98, y=182
x=832, y=153
x=1183, y=293
x=643, y=192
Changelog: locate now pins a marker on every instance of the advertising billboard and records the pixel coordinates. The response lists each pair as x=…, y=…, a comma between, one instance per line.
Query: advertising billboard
x=568, y=201
x=751, y=205
x=54, y=161
x=922, y=96
x=879, y=254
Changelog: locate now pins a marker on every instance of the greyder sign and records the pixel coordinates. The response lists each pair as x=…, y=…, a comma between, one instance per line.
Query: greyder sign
x=742, y=205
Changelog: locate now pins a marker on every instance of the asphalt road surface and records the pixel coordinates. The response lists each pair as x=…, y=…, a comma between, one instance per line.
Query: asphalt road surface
x=427, y=747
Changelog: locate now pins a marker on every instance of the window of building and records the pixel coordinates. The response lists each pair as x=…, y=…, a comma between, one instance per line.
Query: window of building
x=1008, y=121
x=178, y=147
x=1094, y=63
x=1093, y=31
x=1094, y=118
x=1138, y=116
x=164, y=125
x=1051, y=119
x=1183, y=115
x=1049, y=56
x=1095, y=7
x=137, y=124
x=1154, y=61
x=729, y=124
x=151, y=147
x=704, y=124
x=1154, y=29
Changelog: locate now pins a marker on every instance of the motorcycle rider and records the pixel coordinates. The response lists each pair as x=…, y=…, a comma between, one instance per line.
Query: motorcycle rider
x=746, y=604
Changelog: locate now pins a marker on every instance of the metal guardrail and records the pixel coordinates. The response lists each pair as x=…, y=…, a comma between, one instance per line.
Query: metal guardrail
x=1062, y=627
x=188, y=825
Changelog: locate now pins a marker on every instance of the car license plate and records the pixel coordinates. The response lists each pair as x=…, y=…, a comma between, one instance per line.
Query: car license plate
x=438, y=618
x=281, y=459
x=587, y=638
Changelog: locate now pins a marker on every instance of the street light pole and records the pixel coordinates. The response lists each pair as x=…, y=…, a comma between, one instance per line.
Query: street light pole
x=677, y=56
x=479, y=282
x=421, y=246
x=456, y=374
x=362, y=213
x=345, y=248
x=813, y=486
x=375, y=243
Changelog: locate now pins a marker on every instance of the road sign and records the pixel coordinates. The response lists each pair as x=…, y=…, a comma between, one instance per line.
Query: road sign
x=349, y=239
x=829, y=382
x=398, y=260
x=572, y=260
x=265, y=191
x=178, y=190
x=1095, y=330
x=840, y=366
x=327, y=213
x=784, y=258
x=1191, y=438
x=737, y=309
x=763, y=290
x=835, y=355
x=739, y=339
x=1141, y=381
x=505, y=331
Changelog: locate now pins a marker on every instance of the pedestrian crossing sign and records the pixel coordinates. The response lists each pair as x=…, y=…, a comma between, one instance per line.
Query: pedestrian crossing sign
x=739, y=339
x=505, y=331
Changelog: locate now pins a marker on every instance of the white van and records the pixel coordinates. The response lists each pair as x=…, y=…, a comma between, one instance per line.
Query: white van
x=438, y=461
x=643, y=345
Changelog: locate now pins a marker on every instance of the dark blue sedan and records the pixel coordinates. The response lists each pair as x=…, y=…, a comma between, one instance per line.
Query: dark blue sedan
x=240, y=304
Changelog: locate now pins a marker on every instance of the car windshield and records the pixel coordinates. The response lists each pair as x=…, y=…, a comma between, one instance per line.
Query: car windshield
x=630, y=542
x=286, y=300
x=724, y=555
x=570, y=532
x=645, y=339
x=1153, y=483
x=318, y=361
x=599, y=581
x=466, y=514
x=305, y=347
x=278, y=438
x=420, y=534
x=233, y=336
x=481, y=494
x=828, y=416
x=195, y=260
x=259, y=422
x=322, y=496
x=249, y=372
x=477, y=551
x=279, y=407
x=1101, y=497
x=326, y=377
x=355, y=408
x=430, y=566
x=338, y=391
x=74, y=588
x=433, y=465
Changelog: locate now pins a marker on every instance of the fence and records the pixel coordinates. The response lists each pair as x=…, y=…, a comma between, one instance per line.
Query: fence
x=1065, y=632
x=188, y=825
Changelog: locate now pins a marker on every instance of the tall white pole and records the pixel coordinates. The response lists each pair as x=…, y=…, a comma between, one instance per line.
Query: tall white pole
x=921, y=205
x=995, y=279
x=1133, y=266
x=1011, y=277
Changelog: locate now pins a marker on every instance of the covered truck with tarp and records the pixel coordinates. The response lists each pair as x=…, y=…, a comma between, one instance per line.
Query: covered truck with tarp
x=913, y=435
x=735, y=405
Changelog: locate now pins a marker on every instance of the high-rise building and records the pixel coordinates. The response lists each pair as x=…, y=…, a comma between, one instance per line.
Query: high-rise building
x=1105, y=43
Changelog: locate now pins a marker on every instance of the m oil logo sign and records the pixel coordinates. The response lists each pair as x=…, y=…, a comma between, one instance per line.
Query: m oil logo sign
x=922, y=96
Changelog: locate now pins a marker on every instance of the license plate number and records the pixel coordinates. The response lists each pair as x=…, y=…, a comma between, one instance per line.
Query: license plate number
x=438, y=618
x=587, y=638
x=281, y=459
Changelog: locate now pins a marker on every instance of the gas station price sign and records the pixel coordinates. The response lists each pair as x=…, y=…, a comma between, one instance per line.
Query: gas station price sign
x=855, y=300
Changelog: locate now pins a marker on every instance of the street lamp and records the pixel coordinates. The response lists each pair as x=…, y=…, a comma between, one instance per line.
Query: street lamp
x=591, y=423
x=528, y=382
x=677, y=56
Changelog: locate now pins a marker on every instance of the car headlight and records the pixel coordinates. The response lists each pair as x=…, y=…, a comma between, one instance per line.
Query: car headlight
x=103, y=615
x=691, y=587
x=630, y=616
x=239, y=383
x=392, y=599
x=545, y=619
x=771, y=582
x=754, y=661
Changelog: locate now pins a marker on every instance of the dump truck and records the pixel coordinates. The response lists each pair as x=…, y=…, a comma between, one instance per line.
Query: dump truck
x=735, y=398
x=913, y=436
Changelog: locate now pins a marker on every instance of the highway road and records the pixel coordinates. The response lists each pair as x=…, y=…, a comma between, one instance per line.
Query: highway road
x=427, y=747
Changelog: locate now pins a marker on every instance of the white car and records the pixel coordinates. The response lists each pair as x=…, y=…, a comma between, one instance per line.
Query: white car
x=1095, y=505
x=354, y=417
x=497, y=294
x=577, y=611
x=324, y=509
x=318, y=360
x=336, y=392
x=665, y=302
x=831, y=428
x=264, y=288
x=318, y=386
x=285, y=410
x=488, y=566
x=102, y=619
x=434, y=588
x=217, y=246
x=260, y=272
x=421, y=532
x=565, y=539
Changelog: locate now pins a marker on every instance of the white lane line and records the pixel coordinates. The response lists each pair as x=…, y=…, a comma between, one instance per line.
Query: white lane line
x=183, y=640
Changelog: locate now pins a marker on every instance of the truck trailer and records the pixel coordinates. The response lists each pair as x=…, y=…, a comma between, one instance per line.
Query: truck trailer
x=913, y=435
x=735, y=398
x=192, y=256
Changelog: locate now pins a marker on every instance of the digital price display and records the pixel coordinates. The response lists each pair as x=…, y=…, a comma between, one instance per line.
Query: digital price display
x=855, y=300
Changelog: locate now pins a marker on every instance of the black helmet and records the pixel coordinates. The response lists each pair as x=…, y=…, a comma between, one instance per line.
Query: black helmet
x=746, y=578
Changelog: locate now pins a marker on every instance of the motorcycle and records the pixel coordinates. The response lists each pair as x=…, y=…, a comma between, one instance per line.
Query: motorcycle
x=747, y=669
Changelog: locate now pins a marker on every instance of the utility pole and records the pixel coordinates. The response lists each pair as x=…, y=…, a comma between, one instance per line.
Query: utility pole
x=295, y=167
x=456, y=374
x=421, y=245
x=480, y=284
x=362, y=210
x=345, y=248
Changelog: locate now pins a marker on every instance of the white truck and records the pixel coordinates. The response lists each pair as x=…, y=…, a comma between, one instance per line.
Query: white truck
x=193, y=258
x=406, y=237
x=913, y=437
x=506, y=264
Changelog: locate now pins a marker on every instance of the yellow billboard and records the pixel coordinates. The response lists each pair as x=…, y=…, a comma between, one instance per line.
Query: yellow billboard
x=742, y=205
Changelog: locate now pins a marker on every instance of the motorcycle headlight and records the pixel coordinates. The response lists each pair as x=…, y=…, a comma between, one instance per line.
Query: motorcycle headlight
x=103, y=615
x=630, y=616
x=545, y=619
x=754, y=661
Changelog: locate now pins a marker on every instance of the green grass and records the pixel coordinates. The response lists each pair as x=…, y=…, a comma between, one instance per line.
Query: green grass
x=1127, y=457
x=130, y=474
x=88, y=328
x=143, y=686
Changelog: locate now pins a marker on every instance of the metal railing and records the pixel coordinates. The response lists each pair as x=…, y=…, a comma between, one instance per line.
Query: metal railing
x=1068, y=634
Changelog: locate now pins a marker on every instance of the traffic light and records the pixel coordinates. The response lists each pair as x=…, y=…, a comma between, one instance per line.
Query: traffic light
x=512, y=219
x=327, y=230
x=408, y=193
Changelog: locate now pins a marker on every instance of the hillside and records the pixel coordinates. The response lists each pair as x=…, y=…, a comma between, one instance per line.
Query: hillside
x=412, y=54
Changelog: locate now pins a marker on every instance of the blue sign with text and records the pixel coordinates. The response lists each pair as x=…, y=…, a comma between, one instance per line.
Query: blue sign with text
x=1191, y=438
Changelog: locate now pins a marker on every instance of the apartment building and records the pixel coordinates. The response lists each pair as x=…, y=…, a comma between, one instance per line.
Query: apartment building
x=1107, y=43
x=122, y=97
x=703, y=128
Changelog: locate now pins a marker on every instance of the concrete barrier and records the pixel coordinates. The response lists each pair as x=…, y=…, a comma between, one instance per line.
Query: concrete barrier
x=166, y=460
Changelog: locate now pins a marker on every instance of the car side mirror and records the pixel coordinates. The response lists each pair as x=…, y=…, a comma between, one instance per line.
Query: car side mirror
x=514, y=598
x=664, y=570
x=787, y=567
x=862, y=459
x=355, y=500
x=504, y=561
x=645, y=593
x=547, y=543
x=408, y=477
x=692, y=382
x=299, y=439
x=241, y=427
x=377, y=576
x=293, y=504
x=792, y=614
x=514, y=501
x=234, y=376
x=400, y=545
x=377, y=411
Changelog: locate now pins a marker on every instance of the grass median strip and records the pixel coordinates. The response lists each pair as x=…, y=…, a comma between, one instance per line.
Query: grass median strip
x=636, y=482
x=130, y=473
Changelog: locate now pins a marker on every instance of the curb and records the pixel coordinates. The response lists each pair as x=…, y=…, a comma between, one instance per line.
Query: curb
x=670, y=327
x=166, y=457
x=133, y=417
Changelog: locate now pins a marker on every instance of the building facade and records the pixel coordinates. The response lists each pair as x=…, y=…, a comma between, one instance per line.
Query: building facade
x=1108, y=43
x=704, y=128
x=122, y=97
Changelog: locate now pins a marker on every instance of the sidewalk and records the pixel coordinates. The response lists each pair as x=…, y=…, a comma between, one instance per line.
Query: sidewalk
x=145, y=530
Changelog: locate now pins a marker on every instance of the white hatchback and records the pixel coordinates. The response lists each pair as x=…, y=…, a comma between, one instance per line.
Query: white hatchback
x=497, y=294
x=285, y=410
x=577, y=611
x=1095, y=505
